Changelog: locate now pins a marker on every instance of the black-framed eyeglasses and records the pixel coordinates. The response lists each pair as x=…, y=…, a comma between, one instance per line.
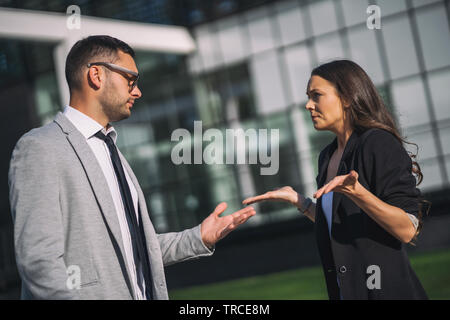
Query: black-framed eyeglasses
x=132, y=80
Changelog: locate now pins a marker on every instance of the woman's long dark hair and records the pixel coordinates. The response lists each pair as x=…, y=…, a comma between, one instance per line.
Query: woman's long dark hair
x=367, y=109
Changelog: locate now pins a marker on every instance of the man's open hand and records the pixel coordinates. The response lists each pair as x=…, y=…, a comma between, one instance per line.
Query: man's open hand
x=214, y=228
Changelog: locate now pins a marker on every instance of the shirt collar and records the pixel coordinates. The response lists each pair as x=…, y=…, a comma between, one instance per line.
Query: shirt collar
x=86, y=125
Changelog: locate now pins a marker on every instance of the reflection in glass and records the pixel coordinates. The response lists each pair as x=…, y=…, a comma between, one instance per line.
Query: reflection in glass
x=291, y=24
x=299, y=69
x=440, y=94
x=419, y=3
x=425, y=142
x=432, y=175
x=329, y=48
x=230, y=35
x=260, y=30
x=436, y=50
x=354, y=11
x=390, y=7
x=207, y=45
x=364, y=51
x=268, y=83
x=444, y=133
x=323, y=16
x=410, y=103
x=402, y=57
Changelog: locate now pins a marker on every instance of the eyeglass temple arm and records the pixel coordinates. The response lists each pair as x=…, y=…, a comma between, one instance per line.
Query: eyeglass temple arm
x=114, y=66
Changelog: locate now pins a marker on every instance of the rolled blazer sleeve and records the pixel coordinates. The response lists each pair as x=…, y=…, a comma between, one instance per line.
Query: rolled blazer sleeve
x=38, y=228
x=182, y=246
x=387, y=167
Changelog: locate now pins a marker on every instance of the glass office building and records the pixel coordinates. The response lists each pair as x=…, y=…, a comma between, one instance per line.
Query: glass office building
x=250, y=70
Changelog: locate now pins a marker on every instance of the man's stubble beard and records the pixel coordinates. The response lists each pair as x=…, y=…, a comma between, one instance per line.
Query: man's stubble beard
x=113, y=106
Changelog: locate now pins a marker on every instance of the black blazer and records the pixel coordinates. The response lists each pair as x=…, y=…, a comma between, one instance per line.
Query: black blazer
x=357, y=241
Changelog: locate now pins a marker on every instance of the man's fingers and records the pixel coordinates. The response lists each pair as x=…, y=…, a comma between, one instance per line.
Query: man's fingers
x=243, y=211
x=242, y=215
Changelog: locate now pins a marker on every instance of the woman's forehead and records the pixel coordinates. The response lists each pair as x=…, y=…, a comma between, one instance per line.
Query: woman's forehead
x=317, y=82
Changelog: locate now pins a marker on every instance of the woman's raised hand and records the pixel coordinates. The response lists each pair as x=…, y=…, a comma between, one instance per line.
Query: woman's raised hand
x=346, y=184
x=285, y=194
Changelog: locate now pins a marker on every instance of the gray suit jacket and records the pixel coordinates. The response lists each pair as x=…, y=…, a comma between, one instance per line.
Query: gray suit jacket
x=66, y=230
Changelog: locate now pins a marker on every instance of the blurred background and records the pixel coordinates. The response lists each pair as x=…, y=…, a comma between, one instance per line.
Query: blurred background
x=239, y=64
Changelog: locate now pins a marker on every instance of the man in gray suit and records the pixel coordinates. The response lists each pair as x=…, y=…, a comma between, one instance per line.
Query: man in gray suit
x=81, y=225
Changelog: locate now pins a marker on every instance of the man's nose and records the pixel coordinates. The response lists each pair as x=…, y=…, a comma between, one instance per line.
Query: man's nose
x=136, y=92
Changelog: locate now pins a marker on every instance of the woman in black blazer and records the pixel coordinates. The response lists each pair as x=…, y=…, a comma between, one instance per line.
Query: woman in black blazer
x=368, y=206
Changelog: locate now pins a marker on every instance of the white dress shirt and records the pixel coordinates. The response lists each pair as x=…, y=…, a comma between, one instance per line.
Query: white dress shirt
x=88, y=128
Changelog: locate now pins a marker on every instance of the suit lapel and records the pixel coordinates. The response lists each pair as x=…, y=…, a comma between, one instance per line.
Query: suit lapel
x=97, y=181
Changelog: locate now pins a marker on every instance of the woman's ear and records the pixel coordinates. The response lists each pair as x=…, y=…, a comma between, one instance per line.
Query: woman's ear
x=345, y=103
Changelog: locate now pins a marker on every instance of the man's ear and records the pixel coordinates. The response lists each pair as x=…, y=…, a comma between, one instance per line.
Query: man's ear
x=94, y=77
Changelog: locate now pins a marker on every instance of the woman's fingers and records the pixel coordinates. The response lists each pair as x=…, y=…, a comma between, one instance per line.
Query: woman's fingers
x=251, y=200
x=283, y=194
x=338, y=183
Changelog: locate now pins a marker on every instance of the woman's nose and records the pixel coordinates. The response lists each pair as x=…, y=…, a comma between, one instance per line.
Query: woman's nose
x=309, y=105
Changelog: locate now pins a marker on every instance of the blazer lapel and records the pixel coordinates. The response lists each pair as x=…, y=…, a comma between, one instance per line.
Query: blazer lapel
x=97, y=181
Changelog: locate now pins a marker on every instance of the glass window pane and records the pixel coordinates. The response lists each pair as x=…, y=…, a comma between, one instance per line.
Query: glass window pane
x=299, y=69
x=409, y=102
x=425, y=142
x=329, y=48
x=444, y=134
x=268, y=85
x=418, y=3
x=434, y=36
x=432, y=176
x=194, y=63
x=323, y=17
x=447, y=165
x=440, y=93
x=260, y=30
x=401, y=54
x=389, y=7
x=291, y=24
x=230, y=33
x=354, y=11
x=133, y=133
x=157, y=204
x=364, y=51
x=208, y=49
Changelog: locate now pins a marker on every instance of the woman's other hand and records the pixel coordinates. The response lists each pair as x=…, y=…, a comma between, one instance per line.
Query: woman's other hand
x=346, y=184
x=285, y=194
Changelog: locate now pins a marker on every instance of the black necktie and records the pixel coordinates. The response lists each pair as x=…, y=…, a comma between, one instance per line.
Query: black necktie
x=136, y=230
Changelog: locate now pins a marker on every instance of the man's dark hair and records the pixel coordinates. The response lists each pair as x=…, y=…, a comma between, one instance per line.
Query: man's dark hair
x=100, y=48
